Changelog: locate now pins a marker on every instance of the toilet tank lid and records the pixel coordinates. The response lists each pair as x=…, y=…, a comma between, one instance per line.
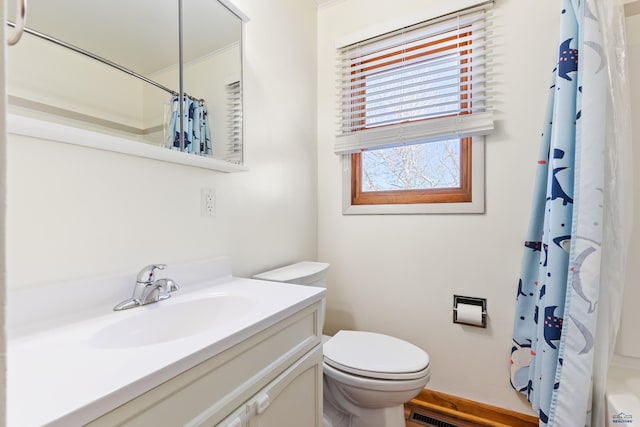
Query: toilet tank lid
x=302, y=273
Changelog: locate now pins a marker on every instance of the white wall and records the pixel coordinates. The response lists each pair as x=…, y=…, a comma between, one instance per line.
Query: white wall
x=398, y=274
x=628, y=343
x=77, y=212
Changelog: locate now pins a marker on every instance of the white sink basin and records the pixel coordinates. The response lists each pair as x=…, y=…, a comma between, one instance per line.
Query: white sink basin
x=162, y=321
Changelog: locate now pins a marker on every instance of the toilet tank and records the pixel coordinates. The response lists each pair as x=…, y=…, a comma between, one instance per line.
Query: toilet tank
x=303, y=273
x=306, y=273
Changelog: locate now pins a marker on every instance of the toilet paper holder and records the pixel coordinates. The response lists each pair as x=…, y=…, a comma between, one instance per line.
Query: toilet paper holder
x=482, y=302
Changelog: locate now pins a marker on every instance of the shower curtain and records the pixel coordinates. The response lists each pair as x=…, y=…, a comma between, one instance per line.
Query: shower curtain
x=197, y=135
x=569, y=293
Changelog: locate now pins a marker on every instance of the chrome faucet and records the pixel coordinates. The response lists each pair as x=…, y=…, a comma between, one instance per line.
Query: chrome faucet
x=148, y=289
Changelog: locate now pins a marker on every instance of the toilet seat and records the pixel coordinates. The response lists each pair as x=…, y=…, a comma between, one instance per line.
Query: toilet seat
x=373, y=355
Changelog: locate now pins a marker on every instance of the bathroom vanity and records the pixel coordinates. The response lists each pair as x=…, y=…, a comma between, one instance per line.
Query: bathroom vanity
x=222, y=351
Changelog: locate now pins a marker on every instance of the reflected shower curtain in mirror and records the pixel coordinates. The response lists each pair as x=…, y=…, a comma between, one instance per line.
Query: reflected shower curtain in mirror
x=566, y=281
x=197, y=135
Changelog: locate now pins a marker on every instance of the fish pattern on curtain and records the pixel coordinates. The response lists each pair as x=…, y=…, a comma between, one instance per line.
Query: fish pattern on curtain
x=197, y=135
x=556, y=302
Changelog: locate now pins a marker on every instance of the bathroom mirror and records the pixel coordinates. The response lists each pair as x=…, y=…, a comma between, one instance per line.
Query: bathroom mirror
x=126, y=85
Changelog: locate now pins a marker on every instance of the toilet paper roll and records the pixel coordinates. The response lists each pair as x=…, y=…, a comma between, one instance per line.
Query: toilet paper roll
x=470, y=314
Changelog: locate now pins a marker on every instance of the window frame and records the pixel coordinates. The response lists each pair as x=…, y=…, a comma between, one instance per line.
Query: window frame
x=475, y=206
x=430, y=195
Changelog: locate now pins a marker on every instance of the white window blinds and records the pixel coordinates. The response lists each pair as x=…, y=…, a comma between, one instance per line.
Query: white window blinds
x=422, y=83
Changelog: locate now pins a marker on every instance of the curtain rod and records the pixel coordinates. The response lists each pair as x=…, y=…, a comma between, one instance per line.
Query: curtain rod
x=96, y=57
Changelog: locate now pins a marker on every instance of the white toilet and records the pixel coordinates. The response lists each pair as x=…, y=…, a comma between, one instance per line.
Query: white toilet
x=367, y=376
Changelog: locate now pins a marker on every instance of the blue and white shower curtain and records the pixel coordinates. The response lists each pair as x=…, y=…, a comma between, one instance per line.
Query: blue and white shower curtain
x=557, y=298
x=197, y=135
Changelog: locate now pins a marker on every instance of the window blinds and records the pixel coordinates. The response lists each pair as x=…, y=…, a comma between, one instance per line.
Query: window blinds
x=422, y=83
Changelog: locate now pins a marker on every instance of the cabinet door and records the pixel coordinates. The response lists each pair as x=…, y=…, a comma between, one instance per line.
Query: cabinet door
x=293, y=399
x=237, y=419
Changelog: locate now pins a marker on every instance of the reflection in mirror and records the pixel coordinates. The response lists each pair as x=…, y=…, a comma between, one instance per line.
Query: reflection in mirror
x=55, y=83
x=209, y=73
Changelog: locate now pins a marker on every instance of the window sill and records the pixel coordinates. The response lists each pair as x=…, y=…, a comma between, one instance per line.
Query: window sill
x=414, y=209
x=27, y=126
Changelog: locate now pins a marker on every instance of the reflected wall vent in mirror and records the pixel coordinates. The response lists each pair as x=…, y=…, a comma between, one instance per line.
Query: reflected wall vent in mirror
x=234, y=123
x=49, y=81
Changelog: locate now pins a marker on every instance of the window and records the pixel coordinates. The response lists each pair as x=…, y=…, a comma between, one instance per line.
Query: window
x=421, y=173
x=412, y=103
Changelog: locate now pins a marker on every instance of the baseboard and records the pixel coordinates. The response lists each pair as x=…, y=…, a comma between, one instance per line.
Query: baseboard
x=463, y=413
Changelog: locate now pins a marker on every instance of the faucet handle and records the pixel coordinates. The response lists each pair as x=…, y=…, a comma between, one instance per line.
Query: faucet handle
x=165, y=287
x=147, y=274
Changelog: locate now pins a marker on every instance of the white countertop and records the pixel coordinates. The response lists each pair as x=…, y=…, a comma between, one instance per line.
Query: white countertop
x=58, y=376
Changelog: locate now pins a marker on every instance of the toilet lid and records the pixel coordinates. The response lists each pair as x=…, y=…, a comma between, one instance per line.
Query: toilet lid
x=375, y=356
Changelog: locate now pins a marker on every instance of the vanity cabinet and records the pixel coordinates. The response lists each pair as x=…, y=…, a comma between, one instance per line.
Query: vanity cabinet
x=271, y=378
x=294, y=399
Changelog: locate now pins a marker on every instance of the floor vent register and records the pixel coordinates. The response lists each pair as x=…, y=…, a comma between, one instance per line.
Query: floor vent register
x=425, y=420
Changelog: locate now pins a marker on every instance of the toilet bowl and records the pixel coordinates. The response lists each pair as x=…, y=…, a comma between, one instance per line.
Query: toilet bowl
x=367, y=376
